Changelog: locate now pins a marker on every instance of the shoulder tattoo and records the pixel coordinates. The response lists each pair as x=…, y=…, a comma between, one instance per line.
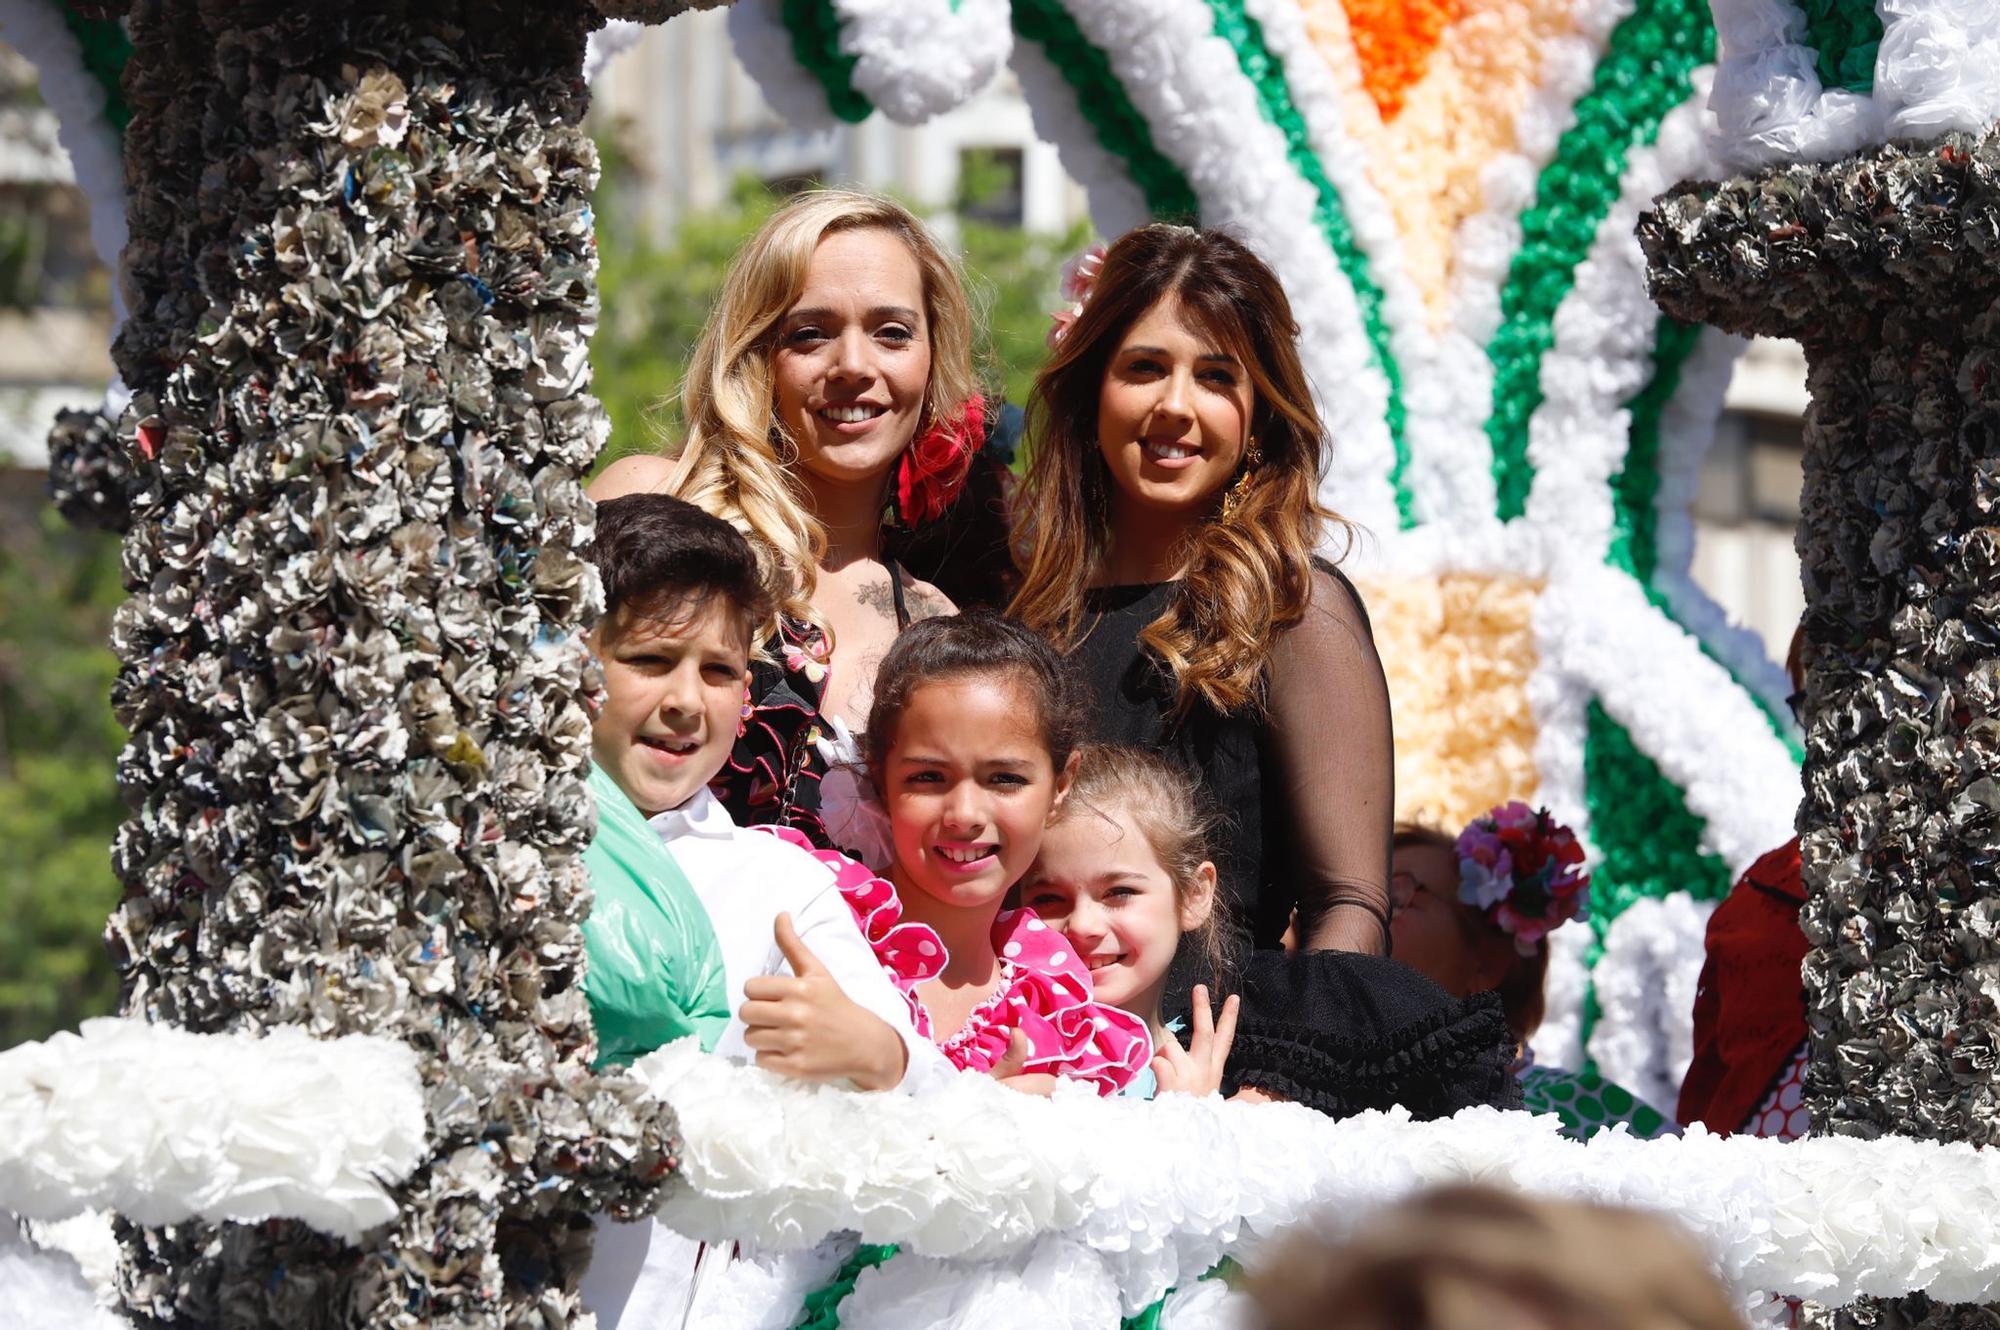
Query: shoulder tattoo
x=922, y=602
x=878, y=596
x=926, y=603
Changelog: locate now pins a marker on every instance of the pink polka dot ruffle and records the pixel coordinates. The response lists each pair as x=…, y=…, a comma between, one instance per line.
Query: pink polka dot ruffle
x=1046, y=995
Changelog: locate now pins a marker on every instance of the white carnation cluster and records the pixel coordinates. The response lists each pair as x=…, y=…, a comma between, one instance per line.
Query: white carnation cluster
x=988, y=1190
x=232, y=1126
x=1937, y=70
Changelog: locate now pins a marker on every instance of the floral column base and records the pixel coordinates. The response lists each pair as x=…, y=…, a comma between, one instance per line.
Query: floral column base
x=1886, y=267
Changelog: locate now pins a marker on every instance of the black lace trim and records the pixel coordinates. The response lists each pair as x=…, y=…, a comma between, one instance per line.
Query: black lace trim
x=1453, y=1058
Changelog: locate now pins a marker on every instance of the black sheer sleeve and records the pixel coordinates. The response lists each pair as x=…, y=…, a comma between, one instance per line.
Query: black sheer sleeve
x=1334, y=767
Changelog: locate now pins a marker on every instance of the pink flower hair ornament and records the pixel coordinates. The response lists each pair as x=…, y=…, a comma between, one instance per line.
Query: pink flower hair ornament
x=1524, y=871
x=1079, y=275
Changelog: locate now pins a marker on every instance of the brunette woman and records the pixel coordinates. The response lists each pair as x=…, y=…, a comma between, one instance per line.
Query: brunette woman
x=1169, y=524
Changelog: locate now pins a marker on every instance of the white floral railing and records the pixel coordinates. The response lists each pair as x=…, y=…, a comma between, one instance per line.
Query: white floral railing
x=991, y=1194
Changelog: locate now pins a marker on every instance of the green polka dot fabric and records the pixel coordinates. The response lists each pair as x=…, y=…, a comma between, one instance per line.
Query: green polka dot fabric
x=1587, y=1104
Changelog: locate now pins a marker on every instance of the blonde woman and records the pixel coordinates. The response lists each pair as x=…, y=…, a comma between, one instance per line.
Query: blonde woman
x=1169, y=521
x=832, y=384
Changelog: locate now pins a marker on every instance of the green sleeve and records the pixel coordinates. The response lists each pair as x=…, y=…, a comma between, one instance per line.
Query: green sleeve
x=653, y=972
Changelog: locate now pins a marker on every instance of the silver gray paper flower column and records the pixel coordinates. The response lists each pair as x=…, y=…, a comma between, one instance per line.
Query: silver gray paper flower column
x=1886, y=267
x=363, y=283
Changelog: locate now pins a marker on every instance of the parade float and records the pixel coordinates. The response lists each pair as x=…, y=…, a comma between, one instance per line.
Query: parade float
x=352, y=1083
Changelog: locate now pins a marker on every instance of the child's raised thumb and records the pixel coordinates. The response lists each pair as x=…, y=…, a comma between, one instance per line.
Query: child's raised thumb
x=797, y=954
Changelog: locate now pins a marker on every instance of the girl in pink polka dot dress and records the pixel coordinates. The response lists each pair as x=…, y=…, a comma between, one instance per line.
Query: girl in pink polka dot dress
x=972, y=743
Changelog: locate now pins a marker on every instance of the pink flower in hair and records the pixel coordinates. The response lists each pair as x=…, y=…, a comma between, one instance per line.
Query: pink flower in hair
x=1079, y=275
x=1523, y=870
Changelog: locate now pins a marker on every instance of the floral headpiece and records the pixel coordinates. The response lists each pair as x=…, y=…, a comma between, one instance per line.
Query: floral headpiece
x=936, y=463
x=1525, y=870
x=1078, y=276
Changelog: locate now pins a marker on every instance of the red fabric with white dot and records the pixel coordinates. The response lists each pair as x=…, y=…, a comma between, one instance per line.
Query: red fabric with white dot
x=1782, y=1115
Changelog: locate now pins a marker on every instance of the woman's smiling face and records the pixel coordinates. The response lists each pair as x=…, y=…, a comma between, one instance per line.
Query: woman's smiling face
x=853, y=357
x=1173, y=414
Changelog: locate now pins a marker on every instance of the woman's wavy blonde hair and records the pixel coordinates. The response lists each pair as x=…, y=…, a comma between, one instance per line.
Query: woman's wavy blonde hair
x=737, y=460
x=1247, y=577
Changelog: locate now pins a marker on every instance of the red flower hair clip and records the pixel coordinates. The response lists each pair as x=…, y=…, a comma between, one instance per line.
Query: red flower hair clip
x=935, y=465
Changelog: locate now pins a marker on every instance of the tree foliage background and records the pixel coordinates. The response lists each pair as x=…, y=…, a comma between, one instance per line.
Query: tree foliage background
x=59, y=803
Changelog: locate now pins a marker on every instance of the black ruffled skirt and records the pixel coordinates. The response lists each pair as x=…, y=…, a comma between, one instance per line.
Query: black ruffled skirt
x=1345, y=1033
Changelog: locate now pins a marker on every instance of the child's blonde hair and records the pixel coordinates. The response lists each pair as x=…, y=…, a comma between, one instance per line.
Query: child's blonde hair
x=1171, y=816
x=737, y=462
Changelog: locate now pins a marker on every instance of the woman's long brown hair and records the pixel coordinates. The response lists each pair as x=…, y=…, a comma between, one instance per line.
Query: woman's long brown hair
x=1245, y=579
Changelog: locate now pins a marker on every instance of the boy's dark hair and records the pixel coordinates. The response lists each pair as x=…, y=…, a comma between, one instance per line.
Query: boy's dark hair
x=660, y=557
x=976, y=644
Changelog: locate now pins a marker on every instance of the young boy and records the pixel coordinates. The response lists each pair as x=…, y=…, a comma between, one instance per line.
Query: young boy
x=684, y=601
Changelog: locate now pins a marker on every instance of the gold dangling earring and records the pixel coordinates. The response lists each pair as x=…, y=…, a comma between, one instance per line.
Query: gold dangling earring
x=1239, y=489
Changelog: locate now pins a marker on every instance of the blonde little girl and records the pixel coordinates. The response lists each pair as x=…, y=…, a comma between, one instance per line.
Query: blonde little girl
x=1124, y=874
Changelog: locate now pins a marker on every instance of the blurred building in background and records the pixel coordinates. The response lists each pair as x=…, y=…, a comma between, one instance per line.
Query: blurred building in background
x=690, y=121
x=1747, y=504
x=55, y=297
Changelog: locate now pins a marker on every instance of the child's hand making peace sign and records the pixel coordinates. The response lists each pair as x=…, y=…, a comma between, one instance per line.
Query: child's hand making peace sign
x=1197, y=1069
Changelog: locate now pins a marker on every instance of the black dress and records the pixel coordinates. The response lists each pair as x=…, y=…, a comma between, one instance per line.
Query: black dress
x=776, y=764
x=1304, y=790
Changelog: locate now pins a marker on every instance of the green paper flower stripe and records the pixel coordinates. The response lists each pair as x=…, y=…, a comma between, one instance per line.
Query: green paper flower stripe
x=1245, y=36
x=1635, y=522
x=815, y=29
x=1845, y=33
x=1644, y=74
x=105, y=48
x=1647, y=839
x=822, y=1309
x=1101, y=100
